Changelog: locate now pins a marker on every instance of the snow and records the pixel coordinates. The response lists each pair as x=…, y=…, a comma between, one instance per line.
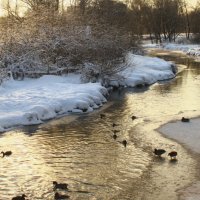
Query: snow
x=145, y=70
x=188, y=49
x=33, y=101
x=188, y=134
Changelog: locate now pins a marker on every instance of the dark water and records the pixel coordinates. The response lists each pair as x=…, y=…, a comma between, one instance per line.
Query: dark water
x=83, y=153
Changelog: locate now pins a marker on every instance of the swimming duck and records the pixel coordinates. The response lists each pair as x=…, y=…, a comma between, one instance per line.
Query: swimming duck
x=124, y=142
x=133, y=117
x=114, y=136
x=62, y=186
x=60, y=196
x=159, y=152
x=19, y=197
x=185, y=119
x=102, y=116
x=173, y=154
x=7, y=153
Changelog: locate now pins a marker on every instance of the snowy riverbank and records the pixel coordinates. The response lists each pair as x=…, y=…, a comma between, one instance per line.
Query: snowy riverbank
x=144, y=70
x=33, y=101
x=188, y=49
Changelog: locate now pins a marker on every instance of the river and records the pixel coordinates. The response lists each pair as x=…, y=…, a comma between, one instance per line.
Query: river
x=81, y=150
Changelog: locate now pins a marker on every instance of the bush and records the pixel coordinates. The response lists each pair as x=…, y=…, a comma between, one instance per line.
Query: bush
x=49, y=42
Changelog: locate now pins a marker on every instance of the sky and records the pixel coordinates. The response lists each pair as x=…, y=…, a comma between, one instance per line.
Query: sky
x=190, y=2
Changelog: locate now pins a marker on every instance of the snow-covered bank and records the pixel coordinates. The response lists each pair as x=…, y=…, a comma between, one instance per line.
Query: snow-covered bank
x=188, y=134
x=144, y=70
x=189, y=49
x=33, y=101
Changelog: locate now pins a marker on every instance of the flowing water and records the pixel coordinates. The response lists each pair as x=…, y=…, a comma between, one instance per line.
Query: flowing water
x=83, y=153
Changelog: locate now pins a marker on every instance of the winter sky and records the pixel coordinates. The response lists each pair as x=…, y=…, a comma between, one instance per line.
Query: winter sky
x=190, y=2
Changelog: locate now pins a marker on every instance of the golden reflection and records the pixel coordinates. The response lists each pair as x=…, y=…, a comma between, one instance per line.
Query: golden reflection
x=26, y=165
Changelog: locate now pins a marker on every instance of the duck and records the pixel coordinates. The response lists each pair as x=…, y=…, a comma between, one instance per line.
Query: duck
x=114, y=136
x=124, y=142
x=62, y=186
x=60, y=196
x=115, y=124
x=102, y=116
x=173, y=154
x=7, y=153
x=185, y=119
x=19, y=197
x=159, y=152
x=133, y=117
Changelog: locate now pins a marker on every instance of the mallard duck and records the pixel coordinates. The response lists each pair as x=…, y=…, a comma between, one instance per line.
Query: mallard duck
x=7, y=153
x=185, y=119
x=114, y=136
x=173, y=154
x=102, y=116
x=159, y=152
x=124, y=142
x=60, y=196
x=62, y=186
x=19, y=197
x=133, y=117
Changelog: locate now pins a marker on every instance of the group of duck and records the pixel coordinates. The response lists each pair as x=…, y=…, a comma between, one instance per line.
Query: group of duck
x=123, y=142
x=60, y=186
x=57, y=196
x=157, y=152
x=172, y=154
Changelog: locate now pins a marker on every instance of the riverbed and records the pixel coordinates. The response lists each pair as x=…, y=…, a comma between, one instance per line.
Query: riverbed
x=81, y=150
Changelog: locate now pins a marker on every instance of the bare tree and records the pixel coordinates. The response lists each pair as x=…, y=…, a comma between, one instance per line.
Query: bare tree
x=195, y=18
x=187, y=26
x=35, y=5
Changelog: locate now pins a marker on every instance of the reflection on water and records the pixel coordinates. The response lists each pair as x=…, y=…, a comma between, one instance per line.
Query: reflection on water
x=84, y=154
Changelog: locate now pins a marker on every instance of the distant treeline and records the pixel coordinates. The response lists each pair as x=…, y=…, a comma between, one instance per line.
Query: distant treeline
x=51, y=35
x=159, y=18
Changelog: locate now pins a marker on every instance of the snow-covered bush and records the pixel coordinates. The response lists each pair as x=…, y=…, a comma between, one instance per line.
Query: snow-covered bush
x=53, y=43
x=90, y=73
